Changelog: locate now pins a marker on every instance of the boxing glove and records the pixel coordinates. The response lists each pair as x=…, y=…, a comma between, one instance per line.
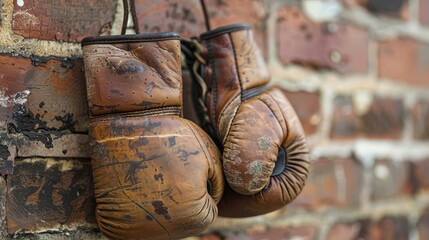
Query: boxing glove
x=156, y=175
x=265, y=155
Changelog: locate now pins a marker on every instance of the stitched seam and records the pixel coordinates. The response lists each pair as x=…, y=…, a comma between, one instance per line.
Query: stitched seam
x=213, y=83
x=140, y=113
x=113, y=41
x=232, y=120
x=236, y=67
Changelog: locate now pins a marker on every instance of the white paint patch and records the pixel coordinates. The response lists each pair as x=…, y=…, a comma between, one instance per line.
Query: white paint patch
x=27, y=18
x=318, y=10
x=14, y=99
x=20, y=3
x=381, y=171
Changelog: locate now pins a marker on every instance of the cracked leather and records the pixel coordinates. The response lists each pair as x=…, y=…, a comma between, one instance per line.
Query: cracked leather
x=151, y=168
x=253, y=123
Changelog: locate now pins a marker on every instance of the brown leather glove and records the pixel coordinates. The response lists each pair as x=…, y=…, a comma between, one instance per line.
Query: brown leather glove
x=156, y=175
x=265, y=154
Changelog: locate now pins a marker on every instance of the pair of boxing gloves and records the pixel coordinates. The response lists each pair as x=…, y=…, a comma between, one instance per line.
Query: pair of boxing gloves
x=158, y=175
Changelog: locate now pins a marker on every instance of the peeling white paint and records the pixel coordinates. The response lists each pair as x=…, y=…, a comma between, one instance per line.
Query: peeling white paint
x=381, y=171
x=20, y=3
x=27, y=18
x=319, y=11
x=14, y=99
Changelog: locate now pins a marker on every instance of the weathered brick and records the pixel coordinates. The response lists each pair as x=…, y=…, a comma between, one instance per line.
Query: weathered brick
x=286, y=233
x=405, y=61
x=332, y=182
x=388, y=228
x=344, y=231
x=45, y=194
x=63, y=145
x=7, y=153
x=419, y=173
x=332, y=45
x=253, y=12
x=423, y=225
x=394, y=8
x=424, y=12
x=420, y=114
x=42, y=94
x=80, y=234
x=183, y=16
x=391, y=179
x=307, y=106
x=384, y=118
x=3, y=227
x=69, y=21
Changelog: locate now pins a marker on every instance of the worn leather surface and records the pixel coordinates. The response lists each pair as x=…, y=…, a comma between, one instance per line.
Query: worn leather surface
x=252, y=123
x=151, y=168
x=134, y=76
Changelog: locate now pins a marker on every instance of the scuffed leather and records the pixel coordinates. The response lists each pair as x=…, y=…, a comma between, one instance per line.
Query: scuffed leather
x=252, y=123
x=120, y=77
x=151, y=168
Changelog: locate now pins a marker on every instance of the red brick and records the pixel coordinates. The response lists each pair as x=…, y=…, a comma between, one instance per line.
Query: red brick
x=383, y=119
x=419, y=172
x=7, y=153
x=42, y=94
x=286, y=233
x=388, y=228
x=69, y=21
x=424, y=12
x=405, y=61
x=3, y=227
x=336, y=46
x=332, y=182
x=251, y=12
x=307, y=106
x=391, y=179
x=50, y=194
x=344, y=231
x=421, y=119
x=183, y=16
x=423, y=225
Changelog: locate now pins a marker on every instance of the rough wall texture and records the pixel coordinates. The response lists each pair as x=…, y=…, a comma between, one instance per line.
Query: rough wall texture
x=357, y=72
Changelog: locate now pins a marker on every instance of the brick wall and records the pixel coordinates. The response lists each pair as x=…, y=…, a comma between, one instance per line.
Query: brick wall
x=357, y=72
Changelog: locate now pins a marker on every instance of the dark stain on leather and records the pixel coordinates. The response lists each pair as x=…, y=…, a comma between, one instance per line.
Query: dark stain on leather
x=160, y=209
x=159, y=177
x=139, y=142
x=146, y=104
x=172, y=141
x=127, y=66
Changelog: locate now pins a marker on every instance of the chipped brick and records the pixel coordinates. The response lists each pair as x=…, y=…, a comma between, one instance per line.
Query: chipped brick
x=332, y=182
x=45, y=194
x=184, y=17
x=254, y=13
x=336, y=46
x=384, y=118
x=42, y=94
x=404, y=61
x=69, y=21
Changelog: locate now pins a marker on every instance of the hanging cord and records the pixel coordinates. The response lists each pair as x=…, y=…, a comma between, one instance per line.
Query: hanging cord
x=129, y=7
x=193, y=50
x=125, y=19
